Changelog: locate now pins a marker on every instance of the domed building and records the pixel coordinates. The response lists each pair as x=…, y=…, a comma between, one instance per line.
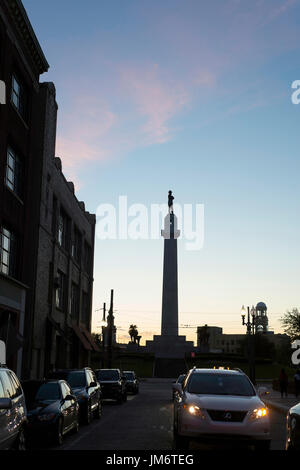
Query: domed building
x=261, y=319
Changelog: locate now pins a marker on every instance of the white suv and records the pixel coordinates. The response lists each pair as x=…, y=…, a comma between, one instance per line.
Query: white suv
x=218, y=405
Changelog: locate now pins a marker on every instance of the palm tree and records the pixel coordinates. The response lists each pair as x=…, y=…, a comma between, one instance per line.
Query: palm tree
x=133, y=333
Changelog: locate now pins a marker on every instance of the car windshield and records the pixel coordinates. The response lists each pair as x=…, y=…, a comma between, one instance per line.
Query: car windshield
x=108, y=375
x=129, y=375
x=49, y=391
x=220, y=384
x=76, y=379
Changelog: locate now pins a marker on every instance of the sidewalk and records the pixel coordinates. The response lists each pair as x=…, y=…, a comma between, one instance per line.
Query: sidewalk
x=274, y=400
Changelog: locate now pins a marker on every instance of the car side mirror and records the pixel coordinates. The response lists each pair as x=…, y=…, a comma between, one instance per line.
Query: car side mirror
x=262, y=392
x=69, y=398
x=5, y=404
x=93, y=384
x=177, y=388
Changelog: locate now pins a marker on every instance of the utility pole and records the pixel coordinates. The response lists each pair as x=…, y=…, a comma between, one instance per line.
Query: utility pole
x=250, y=339
x=110, y=329
x=103, y=335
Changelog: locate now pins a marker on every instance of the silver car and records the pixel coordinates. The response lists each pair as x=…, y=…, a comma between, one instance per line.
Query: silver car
x=12, y=411
x=220, y=405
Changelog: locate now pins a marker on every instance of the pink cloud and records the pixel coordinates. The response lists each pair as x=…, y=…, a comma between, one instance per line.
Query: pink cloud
x=82, y=134
x=157, y=100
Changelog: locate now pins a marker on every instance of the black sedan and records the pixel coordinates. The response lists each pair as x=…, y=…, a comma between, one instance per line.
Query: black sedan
x=52, y=409
x=293, y=428
x=86, y=388
x=113, y=385
x=131, y=383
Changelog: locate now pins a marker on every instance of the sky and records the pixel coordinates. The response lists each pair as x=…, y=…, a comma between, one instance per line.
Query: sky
x=193, y=96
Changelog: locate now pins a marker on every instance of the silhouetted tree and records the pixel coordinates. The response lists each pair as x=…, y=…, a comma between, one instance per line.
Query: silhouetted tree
x=291, y=323
x=133, y=333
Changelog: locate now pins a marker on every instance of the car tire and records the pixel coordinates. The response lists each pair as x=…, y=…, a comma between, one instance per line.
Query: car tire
x=98, y=412
x=180, y=442
x=120, y=399
x=59, y=436
x=262, y=445
x=76, y=426
x=88, y=414
x=20, y=443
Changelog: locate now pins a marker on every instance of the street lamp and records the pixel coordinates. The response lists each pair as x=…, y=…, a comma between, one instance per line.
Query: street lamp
x=251, y=330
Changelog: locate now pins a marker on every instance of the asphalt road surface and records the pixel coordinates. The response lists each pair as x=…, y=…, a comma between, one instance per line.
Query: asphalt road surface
x=145, y=422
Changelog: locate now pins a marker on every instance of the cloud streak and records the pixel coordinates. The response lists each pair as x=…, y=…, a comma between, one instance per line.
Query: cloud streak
x=133, y=100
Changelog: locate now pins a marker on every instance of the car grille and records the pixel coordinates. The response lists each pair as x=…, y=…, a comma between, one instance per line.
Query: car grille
x=227, y=415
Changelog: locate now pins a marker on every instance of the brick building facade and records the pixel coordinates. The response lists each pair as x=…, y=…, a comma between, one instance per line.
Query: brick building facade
x=46, y=236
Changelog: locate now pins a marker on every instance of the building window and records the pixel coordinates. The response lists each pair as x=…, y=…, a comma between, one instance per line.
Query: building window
x=76, y=245
x=7, y=252
x=13, y=172
x=54, y=216
x=75, y=302
x=85, y=313
x=18, y=96
x=63, y=230
x=60, y=295
x=87, y=258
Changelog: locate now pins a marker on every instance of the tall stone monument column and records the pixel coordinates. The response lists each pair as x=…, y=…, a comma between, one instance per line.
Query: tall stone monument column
x=169, y=346
x=169, y=317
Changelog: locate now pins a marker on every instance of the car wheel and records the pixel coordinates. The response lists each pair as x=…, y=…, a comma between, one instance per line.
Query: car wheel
x=20, y=443
x=59, y=432
x=120, y=399
x=98, y=412
x=180, y=442
x=76, y=425
x=88, y=414
x=262, y=445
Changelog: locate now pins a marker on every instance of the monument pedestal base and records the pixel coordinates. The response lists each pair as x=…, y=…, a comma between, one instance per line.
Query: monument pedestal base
x=169, y=346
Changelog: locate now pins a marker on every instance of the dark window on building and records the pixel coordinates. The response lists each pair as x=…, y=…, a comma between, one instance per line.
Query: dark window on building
x=54, y=217
x=87, y=258
x=75, y=302
x=63, y=230
x=7, y=252
x=76, y=245
x=13, y=177
x=61, y=291
x=18, y=95
x=50, y=285
x=85, y=313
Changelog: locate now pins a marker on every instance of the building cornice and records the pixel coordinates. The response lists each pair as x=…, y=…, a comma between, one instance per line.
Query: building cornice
x=25, y=30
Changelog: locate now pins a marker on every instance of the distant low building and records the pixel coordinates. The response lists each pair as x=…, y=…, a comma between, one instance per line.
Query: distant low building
x=219, y=342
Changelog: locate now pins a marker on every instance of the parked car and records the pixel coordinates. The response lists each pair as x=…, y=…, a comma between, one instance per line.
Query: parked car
x=113, y=384
x=13, y=418
x=52, y=409
x=86, y=388
x=131, y=382
x=216, y=405
x=293, y=428
x=178, y=381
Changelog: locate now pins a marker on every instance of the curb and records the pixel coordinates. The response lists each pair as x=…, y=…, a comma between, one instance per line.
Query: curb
x=280, y=408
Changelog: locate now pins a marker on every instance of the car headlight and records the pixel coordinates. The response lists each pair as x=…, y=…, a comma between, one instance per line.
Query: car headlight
x=259, y=413
x=47, y=417
x=194, y=410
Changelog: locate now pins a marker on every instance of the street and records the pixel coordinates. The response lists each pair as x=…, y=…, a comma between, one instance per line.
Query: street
x=145, y=422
